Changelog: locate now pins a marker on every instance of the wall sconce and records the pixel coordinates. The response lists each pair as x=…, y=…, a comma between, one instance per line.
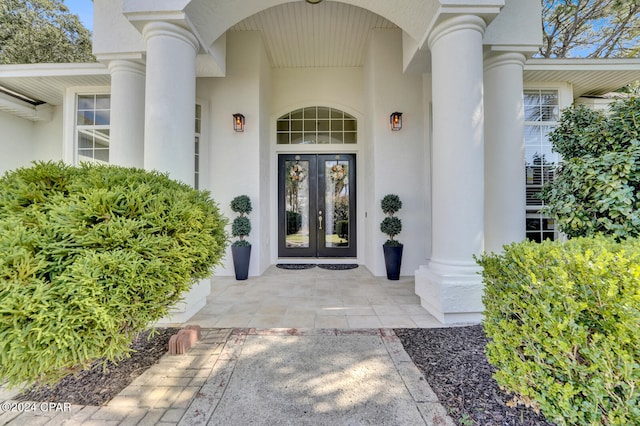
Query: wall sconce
x=238, y=122
x=396, y=121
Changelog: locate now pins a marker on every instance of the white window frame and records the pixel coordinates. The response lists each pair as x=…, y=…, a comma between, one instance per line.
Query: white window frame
x=565, y=98
x=69, y=112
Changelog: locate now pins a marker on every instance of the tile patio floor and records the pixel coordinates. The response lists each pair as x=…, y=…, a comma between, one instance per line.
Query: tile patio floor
x=313, y=298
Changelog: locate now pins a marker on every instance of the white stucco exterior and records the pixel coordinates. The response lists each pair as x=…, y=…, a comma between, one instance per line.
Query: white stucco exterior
x=455, y=69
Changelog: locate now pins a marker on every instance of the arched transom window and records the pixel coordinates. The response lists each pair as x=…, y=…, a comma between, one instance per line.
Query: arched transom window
x=317, y=125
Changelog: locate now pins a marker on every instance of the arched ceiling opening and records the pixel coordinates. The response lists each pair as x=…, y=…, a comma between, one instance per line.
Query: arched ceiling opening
x=212, y=19
x=329, y=34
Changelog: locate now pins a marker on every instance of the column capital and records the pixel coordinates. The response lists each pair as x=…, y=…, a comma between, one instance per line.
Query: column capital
x=165, y=29
x=125, y=65
x=457, y=23
x=493, y=60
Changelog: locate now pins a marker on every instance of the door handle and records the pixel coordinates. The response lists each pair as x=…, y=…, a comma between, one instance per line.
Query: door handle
x=320, y=219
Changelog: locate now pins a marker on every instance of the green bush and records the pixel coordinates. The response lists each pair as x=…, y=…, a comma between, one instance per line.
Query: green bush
x=597, y=188
x=92, y=255
x=562, y=319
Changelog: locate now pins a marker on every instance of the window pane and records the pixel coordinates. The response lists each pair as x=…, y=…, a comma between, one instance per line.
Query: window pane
x=85, y=139
x=86, y=102
x=309, y=125
x=336, y=126
x=350, y=125
x=323, y=125
x=296, y=125
x=103, y=102
x=85, y=118
x=336, y=113
x=296, y=138
x=102, y=155
x=350, y=137
x=323, y=112
x=310, y=113
x=283, y=138
x=283, y=126
x=102, y=118
x=296, y=115
x=532, y=113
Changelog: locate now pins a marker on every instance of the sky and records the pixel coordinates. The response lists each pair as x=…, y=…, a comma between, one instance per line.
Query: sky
x=84, y=9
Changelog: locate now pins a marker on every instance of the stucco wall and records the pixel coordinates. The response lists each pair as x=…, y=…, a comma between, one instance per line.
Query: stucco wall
x=47, y=137
x=16, y=146
x=234, y=158
x=24, y=141
x=397, y=159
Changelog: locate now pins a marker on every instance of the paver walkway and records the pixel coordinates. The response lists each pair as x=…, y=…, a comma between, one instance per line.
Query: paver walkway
x=314, y=298
x=265, y=377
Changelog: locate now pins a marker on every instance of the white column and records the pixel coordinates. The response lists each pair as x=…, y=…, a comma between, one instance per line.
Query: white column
x=170, y=100
x=126, y=145
x=449, y=286
x=505, y=194
x=170, y=124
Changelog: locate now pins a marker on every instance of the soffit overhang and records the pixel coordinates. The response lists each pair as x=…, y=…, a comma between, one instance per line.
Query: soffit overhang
x=588, y=77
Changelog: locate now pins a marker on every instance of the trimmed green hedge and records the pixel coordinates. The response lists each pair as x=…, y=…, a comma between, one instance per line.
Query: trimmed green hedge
x=563, y=321
x=90, y=256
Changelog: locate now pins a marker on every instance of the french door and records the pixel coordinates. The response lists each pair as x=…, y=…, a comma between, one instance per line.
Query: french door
x=316, y=205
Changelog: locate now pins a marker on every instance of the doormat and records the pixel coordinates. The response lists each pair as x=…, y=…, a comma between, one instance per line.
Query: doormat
x=339, y=266
x=295, y=266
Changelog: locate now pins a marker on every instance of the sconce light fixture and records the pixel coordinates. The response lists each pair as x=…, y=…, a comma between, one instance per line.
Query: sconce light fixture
x=395, y=120
x=238, y=122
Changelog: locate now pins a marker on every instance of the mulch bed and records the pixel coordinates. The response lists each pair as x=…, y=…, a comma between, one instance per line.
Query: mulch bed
x=95, y=386
x=454, y=363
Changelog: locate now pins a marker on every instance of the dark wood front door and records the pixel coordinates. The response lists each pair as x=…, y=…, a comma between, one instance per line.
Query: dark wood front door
x=317, y=205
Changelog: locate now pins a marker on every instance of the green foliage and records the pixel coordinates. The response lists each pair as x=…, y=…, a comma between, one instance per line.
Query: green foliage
x=597, y=188
x=391, y=225
x=562, y=319
x=90, y=257
x=37, y=31
x=241, y=204
x=294, y=222
x=391, y=204
x=241, y=226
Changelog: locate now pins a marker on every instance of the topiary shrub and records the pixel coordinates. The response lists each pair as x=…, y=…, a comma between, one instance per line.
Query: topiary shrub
x=241, y=226
x=391, y=225
x=562, y=319
x=91, y=256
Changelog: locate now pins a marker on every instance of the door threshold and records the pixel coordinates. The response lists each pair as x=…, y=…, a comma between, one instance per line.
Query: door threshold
x=317, y=260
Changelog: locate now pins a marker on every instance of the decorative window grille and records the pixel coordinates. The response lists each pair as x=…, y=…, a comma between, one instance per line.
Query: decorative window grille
x=317, y=125
x=93, y=115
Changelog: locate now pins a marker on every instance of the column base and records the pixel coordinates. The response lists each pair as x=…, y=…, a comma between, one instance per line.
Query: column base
x=193, y=300
x=452, y=294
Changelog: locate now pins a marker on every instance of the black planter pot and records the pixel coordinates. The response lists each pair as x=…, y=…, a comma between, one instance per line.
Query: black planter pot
x=241, y=257
x=393, y=260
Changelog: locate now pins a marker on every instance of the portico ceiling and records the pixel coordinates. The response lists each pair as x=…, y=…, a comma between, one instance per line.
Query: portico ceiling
x=328, y=34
